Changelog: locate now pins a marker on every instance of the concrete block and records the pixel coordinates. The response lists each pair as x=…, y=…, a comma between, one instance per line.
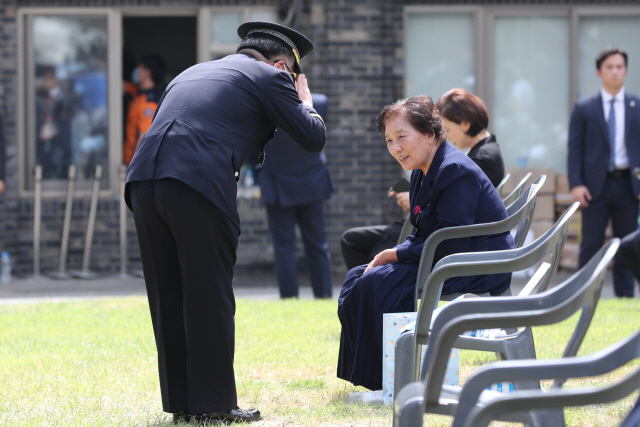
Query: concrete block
x=569, y=257
x=517, y=174
x=538, y=228
x=545, y=208
x=562, y=184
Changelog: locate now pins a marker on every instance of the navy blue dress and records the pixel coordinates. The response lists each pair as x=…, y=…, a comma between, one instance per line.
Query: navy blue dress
x=454, y=192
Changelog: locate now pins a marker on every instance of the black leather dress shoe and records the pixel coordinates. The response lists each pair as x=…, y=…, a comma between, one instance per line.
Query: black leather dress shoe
x=229, y=416
x=181, y=417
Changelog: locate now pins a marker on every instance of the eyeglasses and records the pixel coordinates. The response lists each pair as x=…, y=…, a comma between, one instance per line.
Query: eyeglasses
x=295, y=75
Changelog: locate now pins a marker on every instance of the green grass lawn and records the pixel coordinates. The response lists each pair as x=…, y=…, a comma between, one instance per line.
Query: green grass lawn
x=93, y=363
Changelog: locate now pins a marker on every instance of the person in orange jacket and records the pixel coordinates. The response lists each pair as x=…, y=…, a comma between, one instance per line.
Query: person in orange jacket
x=148, y=75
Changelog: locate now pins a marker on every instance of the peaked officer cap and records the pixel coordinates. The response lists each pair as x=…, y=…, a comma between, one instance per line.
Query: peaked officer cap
x=294, y=41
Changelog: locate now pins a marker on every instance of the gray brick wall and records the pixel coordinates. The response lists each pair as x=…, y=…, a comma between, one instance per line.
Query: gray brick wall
x=357, y=63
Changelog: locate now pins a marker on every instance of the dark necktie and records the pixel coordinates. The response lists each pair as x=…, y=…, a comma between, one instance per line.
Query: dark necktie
x=611, y=127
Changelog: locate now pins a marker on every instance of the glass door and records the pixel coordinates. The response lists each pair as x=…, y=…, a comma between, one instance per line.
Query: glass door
x=67, y=97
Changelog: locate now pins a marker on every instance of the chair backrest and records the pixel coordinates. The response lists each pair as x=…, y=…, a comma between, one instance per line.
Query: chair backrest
x=521, y=234
x=600, y=363
x=579, y=292
x=517, y=191
x=500, y=185
x=525, y=197
x=407, y=228
x=519, y=215
x=550, y=244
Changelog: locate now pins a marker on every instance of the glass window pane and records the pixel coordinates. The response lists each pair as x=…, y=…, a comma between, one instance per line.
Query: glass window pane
x=224, y=26
x=262, y=15
x=70, y=76
x=435, y=63
x=595, y=34
x=531, y=90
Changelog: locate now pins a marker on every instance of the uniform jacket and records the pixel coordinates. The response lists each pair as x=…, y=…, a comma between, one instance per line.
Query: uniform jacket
x=290, y=176
x=455, y=192
x=140, y=114
x=486, y=154
x=212, y=116
x=589, y=143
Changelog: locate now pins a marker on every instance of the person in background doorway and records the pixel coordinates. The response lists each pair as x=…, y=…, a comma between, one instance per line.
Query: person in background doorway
x=604, y=146
x=293, y=187
x=54, y=110
x=129, y=88
x=148, y=76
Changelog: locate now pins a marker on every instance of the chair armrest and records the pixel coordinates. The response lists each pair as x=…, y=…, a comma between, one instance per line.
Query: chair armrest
x=407, y=227
x=501, y=184
x=431, y=244
x=595, y=364
x=521, y=401
x=517, y=191
x=492, y=345
x=598, y=363
x=469, y=264
x=446, y=332
x=498, y=306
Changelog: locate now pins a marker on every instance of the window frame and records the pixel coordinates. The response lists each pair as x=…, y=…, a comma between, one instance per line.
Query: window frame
x=478, y=31
x=517, y=11
x=206, y=47
x=484, y=32
x=25, y=105
x=578, y=12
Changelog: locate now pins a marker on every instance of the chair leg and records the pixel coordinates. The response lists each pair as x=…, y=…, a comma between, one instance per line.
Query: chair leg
x=521, y=348
x=548, y=418
x=408, y=406
x=405, y=361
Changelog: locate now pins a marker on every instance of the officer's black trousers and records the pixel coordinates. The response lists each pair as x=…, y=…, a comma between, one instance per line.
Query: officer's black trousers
x=188, y=249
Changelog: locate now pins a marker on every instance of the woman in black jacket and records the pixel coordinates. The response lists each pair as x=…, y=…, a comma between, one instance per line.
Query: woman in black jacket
x=465, y=120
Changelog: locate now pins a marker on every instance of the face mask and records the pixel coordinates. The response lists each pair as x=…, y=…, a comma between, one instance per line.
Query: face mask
x=134, y=76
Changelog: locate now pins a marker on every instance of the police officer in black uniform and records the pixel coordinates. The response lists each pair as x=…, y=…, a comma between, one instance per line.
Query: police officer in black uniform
x=181, y=187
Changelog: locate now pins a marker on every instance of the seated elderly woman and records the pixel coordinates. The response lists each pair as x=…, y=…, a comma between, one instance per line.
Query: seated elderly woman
x=465, y=119
x=447, y=189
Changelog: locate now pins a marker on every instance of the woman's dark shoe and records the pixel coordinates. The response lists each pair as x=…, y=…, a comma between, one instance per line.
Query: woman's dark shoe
x=181, y=417
x=236, y=415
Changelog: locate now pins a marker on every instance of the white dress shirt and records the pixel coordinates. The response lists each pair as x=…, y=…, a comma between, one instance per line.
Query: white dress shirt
x=622, y=160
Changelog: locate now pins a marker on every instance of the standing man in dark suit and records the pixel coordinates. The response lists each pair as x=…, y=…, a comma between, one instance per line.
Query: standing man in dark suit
x=604, y=146
x=181, y=187
x=294, y=186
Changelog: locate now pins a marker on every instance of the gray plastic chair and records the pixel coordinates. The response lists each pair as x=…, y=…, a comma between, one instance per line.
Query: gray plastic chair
x=520, y=214
x=407, y=228
x=513, y=196
x=516, y=344
x=599, y=363
x=501, y=184
x=580, y=292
